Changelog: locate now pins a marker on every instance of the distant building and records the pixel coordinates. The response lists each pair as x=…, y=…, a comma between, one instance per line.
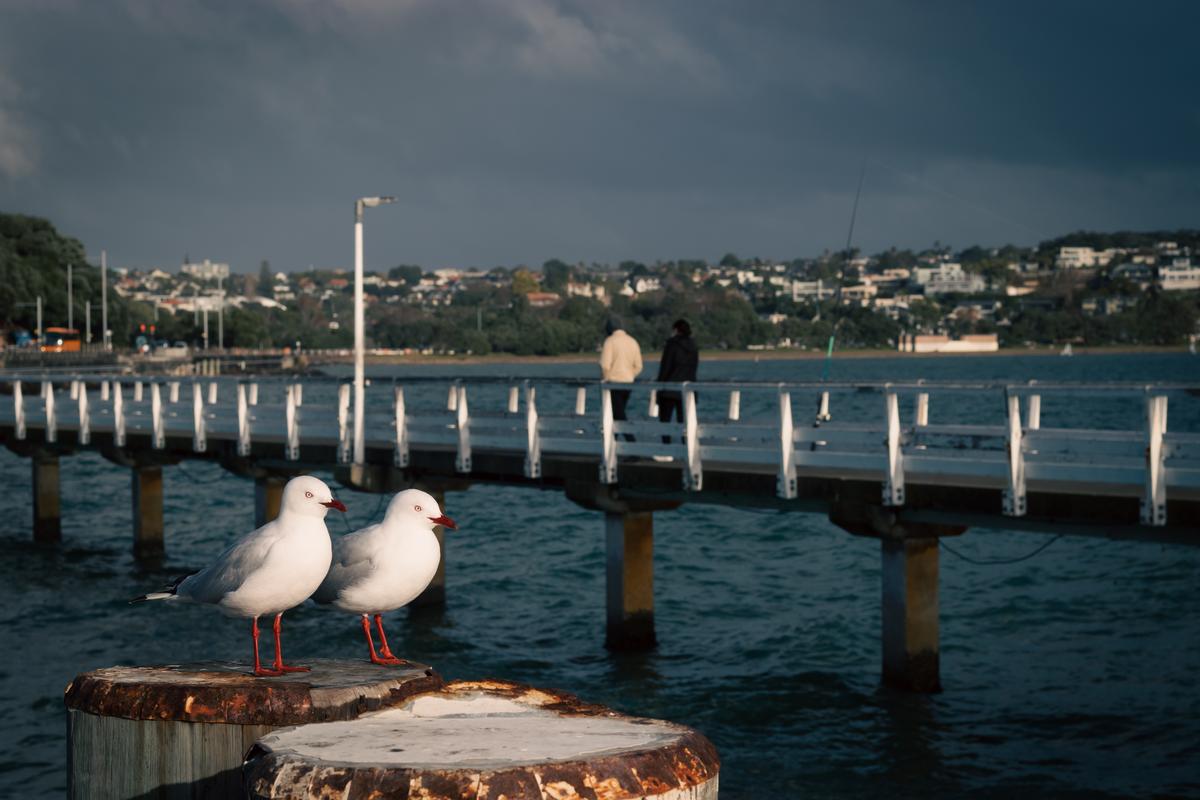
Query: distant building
x=206, y=270
x=811, y=290
x=1137, y=273
x=1179, y=276
x=938, y=343
x=948, y=278
x=542, y=299
x=1083, y=257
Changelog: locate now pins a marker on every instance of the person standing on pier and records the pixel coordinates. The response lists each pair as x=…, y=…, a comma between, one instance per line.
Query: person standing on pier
x=679, y=362
x=620, y=362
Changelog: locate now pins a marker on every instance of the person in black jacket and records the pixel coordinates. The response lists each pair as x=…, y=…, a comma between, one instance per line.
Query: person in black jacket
x=679, y=362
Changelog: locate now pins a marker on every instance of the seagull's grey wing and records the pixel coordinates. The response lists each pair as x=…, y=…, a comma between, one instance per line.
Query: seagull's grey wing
x=230, y=569
x=352, y=562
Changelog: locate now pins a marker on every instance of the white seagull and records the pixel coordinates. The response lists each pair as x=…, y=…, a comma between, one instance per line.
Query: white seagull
x=385, y=566
x=269, y=570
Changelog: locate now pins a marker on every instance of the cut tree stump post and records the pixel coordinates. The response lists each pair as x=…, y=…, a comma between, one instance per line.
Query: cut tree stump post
x=183, y=731
x=47, y=508
x=486, y=740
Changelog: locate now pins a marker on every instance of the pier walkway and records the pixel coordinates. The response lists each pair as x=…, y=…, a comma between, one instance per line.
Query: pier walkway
x=903, y=462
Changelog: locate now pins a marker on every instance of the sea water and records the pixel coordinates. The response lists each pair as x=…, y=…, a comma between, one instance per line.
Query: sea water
x=1073, y=673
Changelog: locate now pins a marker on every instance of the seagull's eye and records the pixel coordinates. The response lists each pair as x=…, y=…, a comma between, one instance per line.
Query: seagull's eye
x=308, y=495
x=417, y=509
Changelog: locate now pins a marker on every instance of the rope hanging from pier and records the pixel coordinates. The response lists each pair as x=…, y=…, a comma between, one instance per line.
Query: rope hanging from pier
x=997, y=562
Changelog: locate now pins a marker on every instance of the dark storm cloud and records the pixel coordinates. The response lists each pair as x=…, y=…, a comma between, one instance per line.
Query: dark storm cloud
x=598, y=131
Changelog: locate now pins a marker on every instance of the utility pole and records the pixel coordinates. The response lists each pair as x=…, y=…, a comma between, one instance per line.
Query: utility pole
x=70, y=299
x=88, y=322
x=39, y=320
x=205, y=328
x=104, y=301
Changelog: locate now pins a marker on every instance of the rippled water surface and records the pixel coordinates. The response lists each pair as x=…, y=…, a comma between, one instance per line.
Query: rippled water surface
x=1076, y=672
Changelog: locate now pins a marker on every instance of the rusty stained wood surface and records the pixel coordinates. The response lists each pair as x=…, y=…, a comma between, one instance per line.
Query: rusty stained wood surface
x=226, y=693
x=487, y=740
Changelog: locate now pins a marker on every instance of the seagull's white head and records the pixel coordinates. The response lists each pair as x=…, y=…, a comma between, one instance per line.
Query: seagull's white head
x=412, y=506
x=309, y=496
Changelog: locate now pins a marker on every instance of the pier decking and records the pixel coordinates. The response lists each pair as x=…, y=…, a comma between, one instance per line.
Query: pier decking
x=877, y=458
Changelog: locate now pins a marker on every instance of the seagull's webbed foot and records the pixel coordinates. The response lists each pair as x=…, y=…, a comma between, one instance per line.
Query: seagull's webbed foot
x=265, y=672
x=288, y=668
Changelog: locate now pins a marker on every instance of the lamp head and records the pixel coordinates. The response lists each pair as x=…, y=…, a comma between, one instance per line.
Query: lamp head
x=371, y=202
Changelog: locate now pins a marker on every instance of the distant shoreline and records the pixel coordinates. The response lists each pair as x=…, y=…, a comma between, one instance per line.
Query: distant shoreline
x=759, y=355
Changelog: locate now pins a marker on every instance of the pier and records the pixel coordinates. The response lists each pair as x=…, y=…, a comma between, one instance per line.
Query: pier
x=881, y=460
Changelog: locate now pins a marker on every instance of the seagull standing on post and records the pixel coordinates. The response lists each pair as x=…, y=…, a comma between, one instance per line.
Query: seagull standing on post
x=385, y=566
x=269, y=570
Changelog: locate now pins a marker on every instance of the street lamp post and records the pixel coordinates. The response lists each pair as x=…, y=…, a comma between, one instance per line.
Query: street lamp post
x=360, y=443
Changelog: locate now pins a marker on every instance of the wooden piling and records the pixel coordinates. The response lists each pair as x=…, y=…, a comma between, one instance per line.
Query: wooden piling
x=910, y=614
x=486, y=740
x=183, y=731
x=268, y=496
x=147, y=511
x=47, y=510
x=629, y=543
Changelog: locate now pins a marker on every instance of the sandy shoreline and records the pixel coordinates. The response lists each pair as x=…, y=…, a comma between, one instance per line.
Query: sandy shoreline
x=754, y=355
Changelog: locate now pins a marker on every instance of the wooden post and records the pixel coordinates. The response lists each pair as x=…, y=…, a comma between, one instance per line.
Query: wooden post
x=147, y=511
x=486, y=739
x=47, y=512
x=910, y=614
x=268, y=496
x=434, y=595
x=182, y=732
x=629, y=542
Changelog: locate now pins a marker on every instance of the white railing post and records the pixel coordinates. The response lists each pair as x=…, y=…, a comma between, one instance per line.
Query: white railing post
x=137, y=391
x=608, y=441
x=299, y=395
x=693, y=476
x=1014, y=495
x=85, y=415
x=580, y=401
x=199, y=437
x=292, y=422
x=652, y=410
x=344, y=423
x=243, y=417
x=1034, y=412
x=1154, y=504
x=785, y=485
x=735, y=405
x=514, y=400
x=118, y=410
x=400, y=457
x=74, y=389
x=463, y=418
x=173, y=392
x=18, y=409
x=212, y=393
x=104, y=391
x=533, y=442
x=893, y=487
x=51, y=419
x=158, y=439
x=253, y=398
x=823, y=408
x=452, y=398
x=921, y=416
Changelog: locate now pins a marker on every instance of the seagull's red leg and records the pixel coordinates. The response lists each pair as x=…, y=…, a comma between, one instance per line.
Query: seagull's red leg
x=258, y=667
x=279, y=665
x=385, y=651
x=366, y=626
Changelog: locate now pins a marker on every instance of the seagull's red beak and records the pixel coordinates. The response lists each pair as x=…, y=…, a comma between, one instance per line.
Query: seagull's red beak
x=444, y=521
x=335, y=503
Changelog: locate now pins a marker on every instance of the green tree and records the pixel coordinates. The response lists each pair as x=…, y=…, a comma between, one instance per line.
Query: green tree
x=408, y=273
x=555, y=275
x=524, y=282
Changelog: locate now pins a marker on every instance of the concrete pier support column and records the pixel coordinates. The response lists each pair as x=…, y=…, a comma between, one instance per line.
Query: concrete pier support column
x=910, y=614
x=434, y=595
x=47, y=512
x=147, y=511
x=629, y=543
x=268, y=496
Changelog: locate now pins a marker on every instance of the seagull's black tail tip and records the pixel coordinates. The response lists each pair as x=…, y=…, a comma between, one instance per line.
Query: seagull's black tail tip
x=166, y=593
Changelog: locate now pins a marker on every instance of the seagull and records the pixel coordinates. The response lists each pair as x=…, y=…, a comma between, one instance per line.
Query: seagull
x=385, y=566
x=269, y=570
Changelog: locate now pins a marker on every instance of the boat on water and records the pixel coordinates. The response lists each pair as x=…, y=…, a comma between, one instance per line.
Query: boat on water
x=1067, y=351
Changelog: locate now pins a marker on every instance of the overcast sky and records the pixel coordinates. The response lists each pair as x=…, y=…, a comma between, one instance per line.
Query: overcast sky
x=518, y=131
